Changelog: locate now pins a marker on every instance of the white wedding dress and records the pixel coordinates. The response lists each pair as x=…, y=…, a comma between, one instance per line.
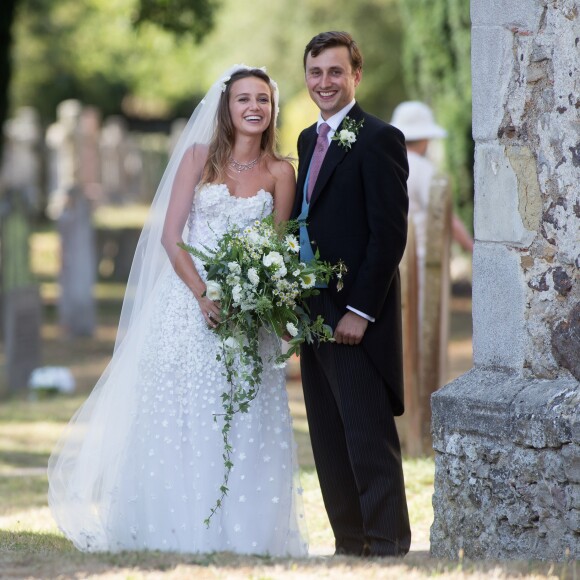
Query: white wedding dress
x=155, y=427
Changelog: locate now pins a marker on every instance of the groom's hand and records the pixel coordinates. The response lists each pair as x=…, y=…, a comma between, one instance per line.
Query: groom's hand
x=350, y=329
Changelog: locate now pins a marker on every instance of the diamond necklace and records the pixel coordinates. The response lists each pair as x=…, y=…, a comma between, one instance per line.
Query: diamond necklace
x=239, y=167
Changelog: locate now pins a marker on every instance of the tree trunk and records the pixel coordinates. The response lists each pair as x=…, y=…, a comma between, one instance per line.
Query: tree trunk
x=7, y=11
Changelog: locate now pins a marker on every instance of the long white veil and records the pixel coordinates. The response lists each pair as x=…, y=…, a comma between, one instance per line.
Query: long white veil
x=83, y=468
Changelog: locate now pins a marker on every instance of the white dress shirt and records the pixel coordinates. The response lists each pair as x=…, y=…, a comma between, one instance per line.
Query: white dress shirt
x=334, y=123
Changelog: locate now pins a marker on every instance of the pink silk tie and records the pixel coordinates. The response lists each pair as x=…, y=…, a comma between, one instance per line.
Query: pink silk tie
x=318, y=157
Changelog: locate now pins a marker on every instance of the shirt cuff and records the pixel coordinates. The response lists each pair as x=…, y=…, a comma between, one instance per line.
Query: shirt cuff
x=366, y=316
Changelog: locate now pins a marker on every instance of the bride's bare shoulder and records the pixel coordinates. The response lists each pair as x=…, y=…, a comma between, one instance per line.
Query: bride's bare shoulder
x=281, y=168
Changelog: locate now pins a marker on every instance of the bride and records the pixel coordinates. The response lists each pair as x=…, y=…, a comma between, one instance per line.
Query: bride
x=140, y=465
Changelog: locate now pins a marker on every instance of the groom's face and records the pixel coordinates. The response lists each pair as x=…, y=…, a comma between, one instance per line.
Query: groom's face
x=330, y=79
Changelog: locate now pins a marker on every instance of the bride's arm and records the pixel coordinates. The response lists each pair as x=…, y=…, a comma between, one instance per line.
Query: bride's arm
x=187, y=177
x=284, y=191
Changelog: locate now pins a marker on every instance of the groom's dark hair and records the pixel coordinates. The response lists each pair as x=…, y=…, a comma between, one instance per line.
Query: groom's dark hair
x=331, y=39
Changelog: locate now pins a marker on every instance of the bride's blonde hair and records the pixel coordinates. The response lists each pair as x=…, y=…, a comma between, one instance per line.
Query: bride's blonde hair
x=221, y=145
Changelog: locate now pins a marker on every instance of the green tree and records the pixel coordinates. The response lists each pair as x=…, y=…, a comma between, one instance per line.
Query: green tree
x=55, y=42
x=274, y=34
x=437, y=68
x=7, y=11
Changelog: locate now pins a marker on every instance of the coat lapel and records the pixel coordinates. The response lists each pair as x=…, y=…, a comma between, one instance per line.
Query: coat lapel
x=333, y=157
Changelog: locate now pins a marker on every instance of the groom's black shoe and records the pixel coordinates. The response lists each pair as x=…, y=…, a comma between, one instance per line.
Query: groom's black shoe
x=374, y=549
x=349, y=548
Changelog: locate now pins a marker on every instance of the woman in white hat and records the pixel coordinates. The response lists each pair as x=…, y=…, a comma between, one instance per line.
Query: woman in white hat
x=416, y=121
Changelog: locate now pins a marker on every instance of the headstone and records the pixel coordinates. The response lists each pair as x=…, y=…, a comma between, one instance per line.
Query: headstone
x=507, y=433
x=22, y=322
x=73, y=140
x=20, y=299
x=113, y=148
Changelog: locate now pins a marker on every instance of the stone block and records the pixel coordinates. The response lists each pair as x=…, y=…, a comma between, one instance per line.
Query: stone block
x=573, y=520
x=573, y=493
x=523, y=14
x=502, y=489
x=478, y=403
x=543, y=413
x=571, y=460
x=498, y=307
x=498, y=203
x=489, y=97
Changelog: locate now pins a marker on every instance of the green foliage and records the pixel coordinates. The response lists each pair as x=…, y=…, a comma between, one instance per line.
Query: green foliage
x=437, y=67
x=179, y=16
x=91, y=50
x=260, y=283
x=274, y=34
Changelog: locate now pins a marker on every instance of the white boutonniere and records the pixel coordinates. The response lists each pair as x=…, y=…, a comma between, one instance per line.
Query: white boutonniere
x=348, y=134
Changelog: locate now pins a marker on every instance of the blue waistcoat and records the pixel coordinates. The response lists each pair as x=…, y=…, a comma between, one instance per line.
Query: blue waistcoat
x=306, y=253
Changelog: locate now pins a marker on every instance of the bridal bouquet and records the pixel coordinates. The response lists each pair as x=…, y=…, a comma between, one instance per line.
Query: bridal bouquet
x=257, y=277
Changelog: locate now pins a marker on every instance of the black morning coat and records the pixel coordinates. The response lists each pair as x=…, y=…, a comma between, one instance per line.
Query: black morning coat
x=358, y=214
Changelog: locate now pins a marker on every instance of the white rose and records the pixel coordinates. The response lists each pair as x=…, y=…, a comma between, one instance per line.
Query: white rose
x=347, y=136
x=281, y=272
x=213, y=290
x=253, y=276
x=291, y=328
x=273, y=258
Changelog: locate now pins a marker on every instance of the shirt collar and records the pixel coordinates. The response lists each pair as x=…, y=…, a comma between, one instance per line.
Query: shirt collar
x=336, y=119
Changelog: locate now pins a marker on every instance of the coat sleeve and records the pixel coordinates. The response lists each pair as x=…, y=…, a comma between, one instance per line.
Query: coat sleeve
x=384, y=171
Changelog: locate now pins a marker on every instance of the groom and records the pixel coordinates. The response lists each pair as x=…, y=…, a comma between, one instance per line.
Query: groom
x=352, y=204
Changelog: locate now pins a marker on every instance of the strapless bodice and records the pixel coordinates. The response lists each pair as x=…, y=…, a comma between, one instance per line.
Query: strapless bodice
x=215, y=210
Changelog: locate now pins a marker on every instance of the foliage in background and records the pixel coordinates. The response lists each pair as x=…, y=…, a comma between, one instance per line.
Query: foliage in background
x=45, y=41
x=437, y=67
x=89, y=49
x=7, y=11
x=182, y=17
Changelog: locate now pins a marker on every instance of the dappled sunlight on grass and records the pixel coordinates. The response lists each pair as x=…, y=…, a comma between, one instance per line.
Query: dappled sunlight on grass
x=31, y=546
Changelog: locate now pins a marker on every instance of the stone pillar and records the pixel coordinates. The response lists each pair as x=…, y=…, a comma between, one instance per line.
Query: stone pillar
x=73, y=173
x=21, y=310
x=507, y=434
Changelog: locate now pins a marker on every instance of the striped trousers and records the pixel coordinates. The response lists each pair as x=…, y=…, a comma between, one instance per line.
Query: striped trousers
x=355, y=444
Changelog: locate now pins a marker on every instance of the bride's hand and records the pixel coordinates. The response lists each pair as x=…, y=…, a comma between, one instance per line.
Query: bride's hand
x=210, y=311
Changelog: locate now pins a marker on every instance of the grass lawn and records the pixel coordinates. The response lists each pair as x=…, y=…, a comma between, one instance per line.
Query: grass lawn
x=32, y=547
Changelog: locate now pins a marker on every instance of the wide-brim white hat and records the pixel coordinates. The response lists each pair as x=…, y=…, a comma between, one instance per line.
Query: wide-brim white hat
x=415, y=120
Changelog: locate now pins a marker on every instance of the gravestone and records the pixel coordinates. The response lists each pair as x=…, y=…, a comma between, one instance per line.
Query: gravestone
x=113, y=151
x=73, y=142
x=19, y=192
